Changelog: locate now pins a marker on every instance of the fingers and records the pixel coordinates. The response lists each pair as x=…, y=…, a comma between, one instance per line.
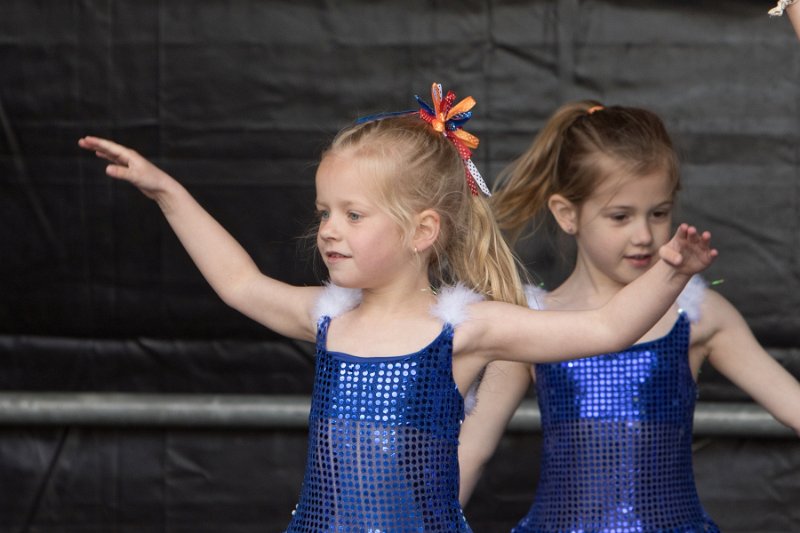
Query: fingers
x=690, y=249
x=117, y=171
x=691, y=235
x=127, y=165
x=107, y=150
x=694, y=236
x=120, y=156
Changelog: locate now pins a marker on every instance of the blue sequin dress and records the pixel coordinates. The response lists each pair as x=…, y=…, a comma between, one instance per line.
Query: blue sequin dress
x=617, y=435
x=383, y=442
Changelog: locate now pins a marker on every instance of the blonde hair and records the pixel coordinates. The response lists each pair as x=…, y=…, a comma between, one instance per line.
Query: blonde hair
x=570, y=157
x=417, y=168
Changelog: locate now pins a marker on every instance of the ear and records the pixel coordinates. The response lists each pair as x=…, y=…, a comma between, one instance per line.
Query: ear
x=427, y=230
x=565, y=213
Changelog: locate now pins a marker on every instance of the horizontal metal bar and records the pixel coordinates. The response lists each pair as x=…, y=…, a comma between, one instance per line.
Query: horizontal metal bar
x=274, y=411
x=140, y=409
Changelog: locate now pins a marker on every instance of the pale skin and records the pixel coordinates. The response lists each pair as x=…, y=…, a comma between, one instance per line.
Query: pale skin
x=617, y=231
x=793, y=11
x=363, y=248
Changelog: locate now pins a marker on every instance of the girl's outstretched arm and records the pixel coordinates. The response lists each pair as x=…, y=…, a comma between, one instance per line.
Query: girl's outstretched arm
x=735, y=352
x=222, y=261
x=503, y=331
x=794, y=17
x=503, y=386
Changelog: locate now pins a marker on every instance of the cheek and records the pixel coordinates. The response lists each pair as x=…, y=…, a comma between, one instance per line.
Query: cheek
x=600, y=244
x=319, y=241
x=604, y=236
x=662, y=233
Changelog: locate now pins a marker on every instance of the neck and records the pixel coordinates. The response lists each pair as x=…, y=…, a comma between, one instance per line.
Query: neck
x=594, y=287
x=398, y=299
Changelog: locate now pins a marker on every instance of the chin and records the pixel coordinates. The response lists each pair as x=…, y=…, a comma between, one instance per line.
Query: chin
x=629, y=275
x=342, y=281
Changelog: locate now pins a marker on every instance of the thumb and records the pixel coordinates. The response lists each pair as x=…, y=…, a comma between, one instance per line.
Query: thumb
x=117, y=171
x=670, y=256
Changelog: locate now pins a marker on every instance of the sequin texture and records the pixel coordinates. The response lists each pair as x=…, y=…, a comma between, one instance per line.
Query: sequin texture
x=617, y=434
x=383, y=440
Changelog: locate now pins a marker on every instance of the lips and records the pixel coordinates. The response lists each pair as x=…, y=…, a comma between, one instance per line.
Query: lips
x=333, y=257
x=639, y=260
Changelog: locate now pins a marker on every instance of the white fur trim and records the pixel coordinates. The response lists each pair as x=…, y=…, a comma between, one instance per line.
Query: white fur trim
x=535, y=296
x=335, y=301
x=451, y=304
x=471, y=398
x=692, y=296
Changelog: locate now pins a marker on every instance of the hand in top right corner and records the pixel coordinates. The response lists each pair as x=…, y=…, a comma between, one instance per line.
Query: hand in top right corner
x=128, y=165
x=689, y=251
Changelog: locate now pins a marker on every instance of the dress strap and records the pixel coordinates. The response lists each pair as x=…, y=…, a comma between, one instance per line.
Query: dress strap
x=322, y=330
x=335, y=301
x=691, y=298
x=451, y=308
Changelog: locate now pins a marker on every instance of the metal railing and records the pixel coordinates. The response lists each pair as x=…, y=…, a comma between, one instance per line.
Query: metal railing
x=273, y=411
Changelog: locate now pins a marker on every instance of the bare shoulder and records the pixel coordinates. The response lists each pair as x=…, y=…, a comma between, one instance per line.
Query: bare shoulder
x=473, y=335
x=717, y=315
x=479, y=317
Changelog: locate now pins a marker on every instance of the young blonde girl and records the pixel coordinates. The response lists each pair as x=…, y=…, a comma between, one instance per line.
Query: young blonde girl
x=415, y=308
x=616, y=428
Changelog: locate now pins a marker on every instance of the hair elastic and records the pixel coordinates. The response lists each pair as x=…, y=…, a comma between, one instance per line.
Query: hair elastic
x=594, y=109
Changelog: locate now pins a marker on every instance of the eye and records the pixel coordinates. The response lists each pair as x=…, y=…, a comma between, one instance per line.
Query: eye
x=354, y=217
x=618, y=217
x=661, y=213
x=323, y=214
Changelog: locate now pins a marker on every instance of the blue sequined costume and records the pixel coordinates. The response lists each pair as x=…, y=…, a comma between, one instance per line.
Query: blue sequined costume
x=617, y=434
x=383, y=441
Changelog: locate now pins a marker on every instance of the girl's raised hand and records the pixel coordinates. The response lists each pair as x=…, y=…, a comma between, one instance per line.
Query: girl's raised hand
x=127, y=164
x=689, y=251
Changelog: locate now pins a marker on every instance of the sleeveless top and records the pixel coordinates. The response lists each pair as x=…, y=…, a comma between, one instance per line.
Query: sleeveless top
x=383, y=433
x=617, y=435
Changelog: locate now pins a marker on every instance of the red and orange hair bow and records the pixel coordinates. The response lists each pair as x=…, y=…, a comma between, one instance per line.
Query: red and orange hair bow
x=449, y=120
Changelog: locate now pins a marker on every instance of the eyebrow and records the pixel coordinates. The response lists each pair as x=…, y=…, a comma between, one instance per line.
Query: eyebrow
x=346, y=205
x=665, y=202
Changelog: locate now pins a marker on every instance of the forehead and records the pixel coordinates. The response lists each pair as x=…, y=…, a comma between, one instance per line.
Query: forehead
x=619, y=176
x=652, y=188
x=344, y=172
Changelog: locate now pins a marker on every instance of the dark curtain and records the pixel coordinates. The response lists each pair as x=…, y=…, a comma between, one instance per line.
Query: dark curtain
x=237, y=99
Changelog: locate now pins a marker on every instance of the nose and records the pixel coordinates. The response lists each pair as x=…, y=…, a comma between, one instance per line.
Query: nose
x=327, y=229
x=643, y=234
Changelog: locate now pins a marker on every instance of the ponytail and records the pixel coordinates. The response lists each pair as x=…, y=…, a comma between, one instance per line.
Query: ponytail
x=482, y=259
x=524, y=187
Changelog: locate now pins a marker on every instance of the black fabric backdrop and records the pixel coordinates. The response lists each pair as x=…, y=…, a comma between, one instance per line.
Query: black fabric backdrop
x=237, y=98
